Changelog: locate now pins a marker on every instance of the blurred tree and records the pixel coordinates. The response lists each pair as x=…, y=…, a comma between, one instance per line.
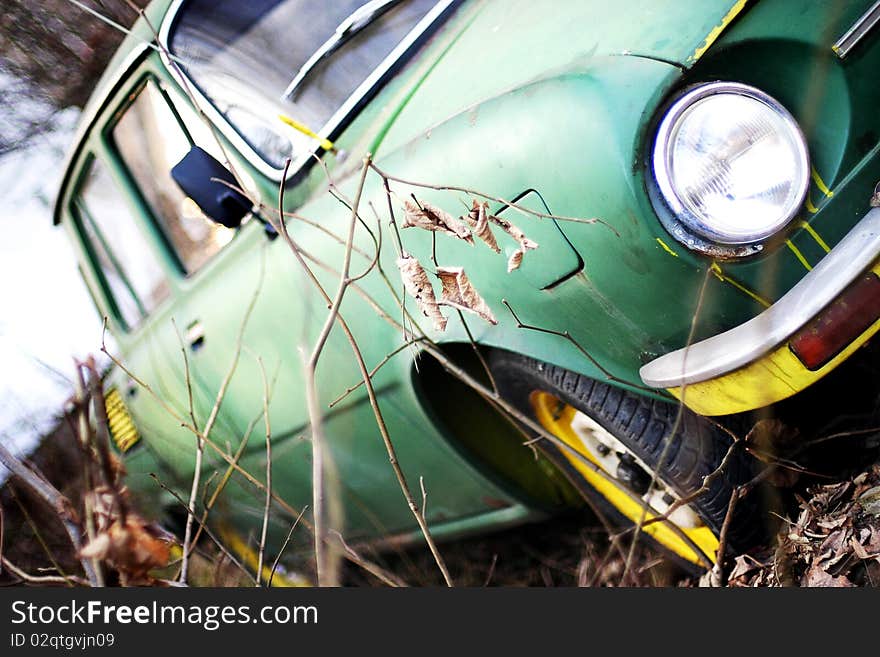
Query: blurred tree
x=51, y=55
x=60, y=47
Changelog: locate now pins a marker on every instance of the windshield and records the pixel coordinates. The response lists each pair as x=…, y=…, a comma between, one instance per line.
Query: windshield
x=244, y=56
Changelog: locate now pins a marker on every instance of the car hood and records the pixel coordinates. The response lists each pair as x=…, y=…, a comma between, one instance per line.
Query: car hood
x=491, y=47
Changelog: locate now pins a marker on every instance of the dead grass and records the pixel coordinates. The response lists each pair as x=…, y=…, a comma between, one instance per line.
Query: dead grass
x=829, y=537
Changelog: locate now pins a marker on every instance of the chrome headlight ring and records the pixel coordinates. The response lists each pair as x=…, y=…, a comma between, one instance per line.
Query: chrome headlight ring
x=730, y=167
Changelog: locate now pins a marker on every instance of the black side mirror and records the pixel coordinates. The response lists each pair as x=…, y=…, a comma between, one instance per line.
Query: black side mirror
x=198, y=174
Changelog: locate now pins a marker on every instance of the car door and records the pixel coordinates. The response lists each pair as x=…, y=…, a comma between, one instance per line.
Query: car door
x=240, y=310
x=214, y=274
x=131, y=286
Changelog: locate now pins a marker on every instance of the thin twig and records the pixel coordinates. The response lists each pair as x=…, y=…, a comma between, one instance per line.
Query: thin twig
x=204, y=528
x=284, y=546
x=392, y=219
x=374, y=404
x=669, y=438
x=486, y=369
x=508, y=409
x=383, y=576
x=84, y=434
x=577, y=345
x=378, y=366
x=37, y=533
x=424, y=494
x=704, y=485
x=227, y=475
x=191, y=511
x=472, y=192
x=325, y=570
x=532, y=425
x=268, y=470
x=200, y=449
x=102, y=432
x=716, y=574
x=231, y=461
x=42, y=580
x=202, y=436
x=491, y=572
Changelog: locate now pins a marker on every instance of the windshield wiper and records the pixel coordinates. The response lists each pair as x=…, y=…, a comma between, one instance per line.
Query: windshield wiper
x=357, y=21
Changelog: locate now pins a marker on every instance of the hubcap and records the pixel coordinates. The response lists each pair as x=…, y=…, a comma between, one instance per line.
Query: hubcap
x=684, y=533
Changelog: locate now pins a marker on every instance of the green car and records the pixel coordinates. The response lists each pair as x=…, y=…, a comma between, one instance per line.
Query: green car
x=572, y=246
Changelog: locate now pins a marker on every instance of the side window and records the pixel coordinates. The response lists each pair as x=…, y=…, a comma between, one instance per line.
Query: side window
x=150, y=140
x=131, y=271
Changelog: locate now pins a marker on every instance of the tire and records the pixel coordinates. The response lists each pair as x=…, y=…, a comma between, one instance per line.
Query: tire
x=642, y=426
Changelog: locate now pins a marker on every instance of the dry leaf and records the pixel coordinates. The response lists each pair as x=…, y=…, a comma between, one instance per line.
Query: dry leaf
x=417, y=285
x=860, y=551
x=834, y=549
x=515, y=259
x=105, y=506
x=97, y=548
x=459, y=293
x=816, y=576
x=871, y=541
x=743, y=567
x=525, y=244
x=430, y=217
x=831, y=523
x=870, y=501
x=514, y=232
x=140, y=549
x=478, y=219
x=132, y=547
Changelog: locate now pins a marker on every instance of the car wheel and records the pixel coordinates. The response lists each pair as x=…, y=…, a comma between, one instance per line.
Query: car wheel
x=626, y=435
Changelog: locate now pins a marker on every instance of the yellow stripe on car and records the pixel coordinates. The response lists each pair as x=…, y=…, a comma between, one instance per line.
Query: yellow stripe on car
x=666, y=248
x=724, y=278
x=799, y=255
x=820, y=183
x=325, y=143
x=816, y=237
x=776, y=376
x=717, y=30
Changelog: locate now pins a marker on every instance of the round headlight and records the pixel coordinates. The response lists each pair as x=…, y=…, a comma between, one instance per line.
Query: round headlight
x=731, y=163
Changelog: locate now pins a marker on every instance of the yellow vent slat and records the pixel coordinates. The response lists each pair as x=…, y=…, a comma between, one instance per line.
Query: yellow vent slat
x=122, y=428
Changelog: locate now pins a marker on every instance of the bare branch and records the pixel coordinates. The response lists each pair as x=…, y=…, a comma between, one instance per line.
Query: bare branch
x=268, y=470
x=380, y=421
x=284, y=546
x=58, y=502
x=672, y=431
x=510, y=204
x=204, y=528
x=383, y=576
x=378, y=366
x=577, y=345
x=42, y=580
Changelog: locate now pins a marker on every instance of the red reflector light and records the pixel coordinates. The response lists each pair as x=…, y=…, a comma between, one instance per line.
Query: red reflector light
x=848, y=316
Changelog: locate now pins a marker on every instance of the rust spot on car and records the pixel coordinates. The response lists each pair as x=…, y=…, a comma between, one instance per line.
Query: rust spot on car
x=494, y=502
x=636, y=259
x=473, y=114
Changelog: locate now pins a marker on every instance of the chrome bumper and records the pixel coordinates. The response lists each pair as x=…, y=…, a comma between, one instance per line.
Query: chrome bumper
x=728, y=351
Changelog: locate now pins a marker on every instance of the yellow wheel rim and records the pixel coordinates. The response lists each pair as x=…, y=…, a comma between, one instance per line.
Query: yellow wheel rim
x=560, y=419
